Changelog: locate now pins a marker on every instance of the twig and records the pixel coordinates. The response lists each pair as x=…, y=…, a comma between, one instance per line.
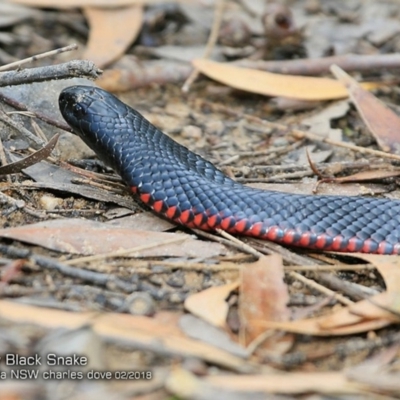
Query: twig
x=124, y=252
x=3, y=159
x=15, y=204
x=184, y=265
x=71, y=69
x=212, y=39
x=335, y=267
x=322, y=289
x=299, y=134
x=38, y=57
x=22, y=107
x=98, y=278
x=25, y=132
x=227, y=242
x=348, y=62
x=240, y=245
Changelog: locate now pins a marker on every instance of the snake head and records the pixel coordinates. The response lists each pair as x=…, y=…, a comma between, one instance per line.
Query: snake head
x=93, y=113
x=85, y=107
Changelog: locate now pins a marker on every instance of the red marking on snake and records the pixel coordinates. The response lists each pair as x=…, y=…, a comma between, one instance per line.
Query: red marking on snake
x=213, y=221
x=226, y=223
x=145, y=197
x=171, y=212
x=255, y=230
x=158, y=205
x=240, y=226
x=305, y=239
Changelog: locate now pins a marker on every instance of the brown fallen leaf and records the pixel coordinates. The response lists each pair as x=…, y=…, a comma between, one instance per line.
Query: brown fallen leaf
x=270, y=84
x=372, y=313
x=79, y=236
x=142, y=332
x=32, y=159
x=289, y=383
x=263, y=296
x=376, y=174
x=145, y=221
x=210, y=304
x=115, y=28
x=383, y=123
x=130, y=73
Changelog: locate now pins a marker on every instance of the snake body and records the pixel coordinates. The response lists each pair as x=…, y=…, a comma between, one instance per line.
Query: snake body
x=187, y=189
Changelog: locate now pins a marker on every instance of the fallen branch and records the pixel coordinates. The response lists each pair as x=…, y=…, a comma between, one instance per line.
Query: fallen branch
x=318, y=66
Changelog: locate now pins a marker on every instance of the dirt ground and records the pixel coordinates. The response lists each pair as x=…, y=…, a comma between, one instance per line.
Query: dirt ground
x=100, y=298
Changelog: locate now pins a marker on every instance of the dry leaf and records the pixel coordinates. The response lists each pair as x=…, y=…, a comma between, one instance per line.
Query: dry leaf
x=210, y=304
x=383, y=123
x=133, y=330
x=369, y=314
x=116, y=29
x=80, y=236
x=289, y=383
x=320, y=123
x=376, y=174
x=269, y=84
x=263, y=295
x=32, y=159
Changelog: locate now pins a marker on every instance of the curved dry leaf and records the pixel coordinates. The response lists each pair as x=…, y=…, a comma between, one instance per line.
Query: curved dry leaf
x=383, y=123
x=32, y=159
x=210, y=304
x=112, y=31
x=270, y=84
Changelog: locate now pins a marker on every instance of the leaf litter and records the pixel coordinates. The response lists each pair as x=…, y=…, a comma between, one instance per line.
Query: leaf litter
x=241, y=336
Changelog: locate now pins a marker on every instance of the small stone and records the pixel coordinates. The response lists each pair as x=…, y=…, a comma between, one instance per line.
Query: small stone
x=50, y=203
x=177, y=298
x=280, y=142
x=191, y=132
x=176, y=280
x=140, y=303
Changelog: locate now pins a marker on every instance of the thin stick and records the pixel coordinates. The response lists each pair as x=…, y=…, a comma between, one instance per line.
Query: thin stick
x=38, y=57
x=243, y=246
x=71, y=69
x=322, y=289
x=212, y=39
x=299, y=134
x=123, y=252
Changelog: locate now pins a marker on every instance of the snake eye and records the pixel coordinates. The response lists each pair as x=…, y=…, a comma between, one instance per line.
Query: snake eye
x=79, y=110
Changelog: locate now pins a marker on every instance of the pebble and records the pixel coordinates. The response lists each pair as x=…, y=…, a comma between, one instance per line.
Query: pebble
x=280, y=142
x=140, y=303
x=176, y=279
x=50, y=203
x=191, y=132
